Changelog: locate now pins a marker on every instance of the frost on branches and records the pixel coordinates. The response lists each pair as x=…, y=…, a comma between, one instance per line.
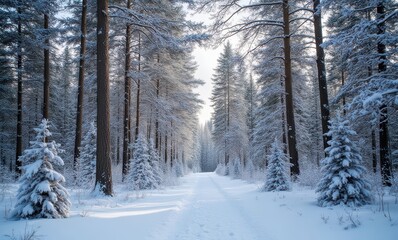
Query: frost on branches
x=277, y=170
x=87, y=157
x=41, y=194
x=141, y=174
x=342, y=169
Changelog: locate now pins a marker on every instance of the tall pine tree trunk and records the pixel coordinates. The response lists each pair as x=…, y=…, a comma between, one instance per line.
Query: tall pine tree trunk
x=291, y=126
x=157, y=111
x=127, y=100
x=46, y=87
x=385, y=164
x=374, y=151
x=80, y=89
x=284, y=141
x=19, y=97
x=320, y=63
x=103, y=178
x=137, y=109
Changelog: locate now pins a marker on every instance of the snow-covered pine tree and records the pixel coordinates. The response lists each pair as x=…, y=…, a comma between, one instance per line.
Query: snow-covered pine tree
x=277, y=170
x=236, y=169
x=141, y=176
x=154, y=162
x=41, y=194
x=87, y=159
x=249, y=169
x=229, y=126
x=342, y=181
x=178, y=168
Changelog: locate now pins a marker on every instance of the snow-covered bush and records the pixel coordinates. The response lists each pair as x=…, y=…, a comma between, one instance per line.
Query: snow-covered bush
x=141, y=175
x=343, y=179
x=41, y=194
x=277, y=170
x=87, y=159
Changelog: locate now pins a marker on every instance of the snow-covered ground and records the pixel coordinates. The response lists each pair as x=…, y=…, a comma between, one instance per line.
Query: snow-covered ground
x=206, y=206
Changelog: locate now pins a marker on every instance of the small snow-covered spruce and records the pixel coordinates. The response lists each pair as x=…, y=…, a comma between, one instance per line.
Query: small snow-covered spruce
x=236, y=169
x=41, y=194
x=277, y=170
x=154, y=162
x=250, y=169
x=87, y=159
x=141, y=176
x=178, y=170
x=343, y=173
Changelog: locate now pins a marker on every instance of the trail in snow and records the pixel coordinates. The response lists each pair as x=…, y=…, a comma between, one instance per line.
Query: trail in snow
x=206, y=206
x=211, y=213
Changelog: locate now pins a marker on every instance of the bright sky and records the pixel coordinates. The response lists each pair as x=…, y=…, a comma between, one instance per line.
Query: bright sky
x=206, y=59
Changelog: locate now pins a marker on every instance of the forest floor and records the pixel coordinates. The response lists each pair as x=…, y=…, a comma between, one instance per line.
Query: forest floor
x=206, y=206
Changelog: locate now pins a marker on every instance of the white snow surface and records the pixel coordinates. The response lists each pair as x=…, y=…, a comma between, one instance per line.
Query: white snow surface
x=206, y=206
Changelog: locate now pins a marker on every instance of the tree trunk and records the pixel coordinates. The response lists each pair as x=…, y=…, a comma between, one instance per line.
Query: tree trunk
x=19, y=98
x=80, y=89
x=103, y=179
x=291, y=126
x=46, y=89
x=127, y=100
x=165, y=149
x=171, y=144
x=157, y=110
x=284, y=141
x=342, y=84
x=137, y=109
x=374, y=152
x=320, y=63
x=385, y=163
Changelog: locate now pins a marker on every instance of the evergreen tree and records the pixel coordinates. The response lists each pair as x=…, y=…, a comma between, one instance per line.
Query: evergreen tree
x=343, y=172
x=154, y=162
x=363, y=36
x=277, y=170
x=87, y=159
x=41, y=194
x=178, y=168
x=249, y=169
x=236, y=168
x=230, y=129
x=141, y=175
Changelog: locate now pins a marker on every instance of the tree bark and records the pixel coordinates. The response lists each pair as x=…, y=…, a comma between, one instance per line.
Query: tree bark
x=137, y=109
x=46, y=89
x=284, y=141
x=374, y=152
x=127, y=100
x=80, y=89
x=165, y=149
x=19, y=97
x=291, y=126
x=385, y=163
x=320, y=63
x=103, y=180
x=157, y=111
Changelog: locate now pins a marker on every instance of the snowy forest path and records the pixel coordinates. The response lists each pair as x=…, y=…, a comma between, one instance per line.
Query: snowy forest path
x=213, y=210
